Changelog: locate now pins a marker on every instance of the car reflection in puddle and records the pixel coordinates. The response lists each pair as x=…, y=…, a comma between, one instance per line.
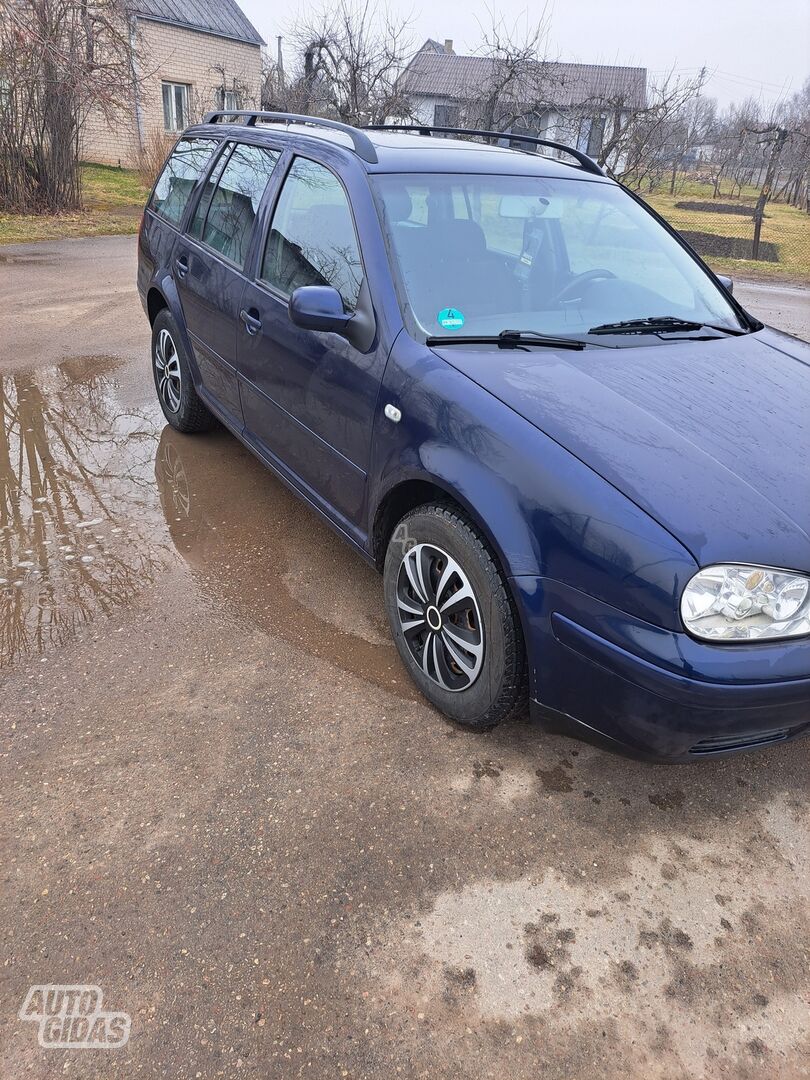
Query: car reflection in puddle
x=261, y=555
x=80, y=525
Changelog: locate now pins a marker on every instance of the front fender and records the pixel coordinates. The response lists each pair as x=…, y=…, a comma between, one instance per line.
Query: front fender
x=468, y=482
x=543, y=511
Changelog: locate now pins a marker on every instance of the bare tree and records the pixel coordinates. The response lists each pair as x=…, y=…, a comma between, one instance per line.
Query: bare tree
x=775, y=136
x=349, y=58
x=59, y=60
x=750, y=146
x=522, y=82
x=274, y=91
x=227, y=84
x=795, y=157
x=281, y=92
x=690, y=129
x=634, y=146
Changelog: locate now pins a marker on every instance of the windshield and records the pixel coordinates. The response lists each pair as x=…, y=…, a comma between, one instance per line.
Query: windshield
x=478, y=254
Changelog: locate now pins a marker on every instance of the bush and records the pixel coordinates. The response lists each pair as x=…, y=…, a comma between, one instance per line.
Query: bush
x=153, y=154
x=52, y=78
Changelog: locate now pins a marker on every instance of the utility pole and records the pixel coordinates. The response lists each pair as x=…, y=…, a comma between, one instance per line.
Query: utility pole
x=781, y=136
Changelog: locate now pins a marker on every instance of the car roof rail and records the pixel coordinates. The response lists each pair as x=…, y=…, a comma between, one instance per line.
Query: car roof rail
x=587, y=163
x=361, y=143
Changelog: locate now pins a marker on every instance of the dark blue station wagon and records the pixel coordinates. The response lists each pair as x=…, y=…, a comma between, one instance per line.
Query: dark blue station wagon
x=582, y=468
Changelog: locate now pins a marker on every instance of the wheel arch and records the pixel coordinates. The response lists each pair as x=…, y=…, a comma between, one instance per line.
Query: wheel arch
x=155, y=303
x=431, y=478
x=162, y=295
x=513, y=536
x=407, y=495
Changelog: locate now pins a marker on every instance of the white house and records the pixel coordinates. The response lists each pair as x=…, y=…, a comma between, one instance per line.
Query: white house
x=574, y=103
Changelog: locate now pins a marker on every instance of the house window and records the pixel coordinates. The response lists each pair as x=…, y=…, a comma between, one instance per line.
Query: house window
x=231, y=101
x=446, y=115
x=596, y=137
x=175, y=106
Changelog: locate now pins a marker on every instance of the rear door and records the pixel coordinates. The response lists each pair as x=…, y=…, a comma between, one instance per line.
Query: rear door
x=167, y=205
x=208, y=267
x=308, y=397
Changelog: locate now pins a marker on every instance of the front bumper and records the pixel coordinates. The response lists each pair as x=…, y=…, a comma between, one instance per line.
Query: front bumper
x=602, y=675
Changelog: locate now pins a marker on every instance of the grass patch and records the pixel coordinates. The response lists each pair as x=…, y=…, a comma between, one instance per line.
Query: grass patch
x=785, y=227
x=113, y=201
x=107, y=186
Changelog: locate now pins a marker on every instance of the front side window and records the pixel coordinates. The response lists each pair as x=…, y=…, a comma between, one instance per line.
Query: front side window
x=180, y=174
x=549, y=254
x=227, y=208
x=312, y=239
x=175, y=106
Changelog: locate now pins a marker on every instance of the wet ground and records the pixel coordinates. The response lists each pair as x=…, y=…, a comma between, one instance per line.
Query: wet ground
x=224, y=804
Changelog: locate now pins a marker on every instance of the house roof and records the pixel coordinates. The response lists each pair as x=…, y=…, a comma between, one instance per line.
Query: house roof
x=436, y=73
x=221, y=17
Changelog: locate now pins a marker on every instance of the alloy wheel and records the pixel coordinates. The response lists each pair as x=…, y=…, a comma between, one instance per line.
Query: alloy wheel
x=167, y=369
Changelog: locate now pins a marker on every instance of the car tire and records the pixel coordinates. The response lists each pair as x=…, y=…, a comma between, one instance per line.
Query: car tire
x=434, y=555
x=171, y=371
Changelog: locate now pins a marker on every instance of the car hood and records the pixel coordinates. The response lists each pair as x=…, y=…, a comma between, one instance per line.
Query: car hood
x=711, y=438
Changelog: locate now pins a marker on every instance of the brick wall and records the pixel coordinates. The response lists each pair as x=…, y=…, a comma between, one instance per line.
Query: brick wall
x=173, y=54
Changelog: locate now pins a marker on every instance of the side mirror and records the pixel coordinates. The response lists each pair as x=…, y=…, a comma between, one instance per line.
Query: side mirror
x=726, y=282
x=319, y=307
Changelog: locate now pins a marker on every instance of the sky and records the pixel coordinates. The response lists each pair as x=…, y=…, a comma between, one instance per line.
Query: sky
x=750, y=47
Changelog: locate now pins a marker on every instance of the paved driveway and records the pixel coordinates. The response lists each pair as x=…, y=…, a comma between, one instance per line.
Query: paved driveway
x=785, y=306
x=224, y=804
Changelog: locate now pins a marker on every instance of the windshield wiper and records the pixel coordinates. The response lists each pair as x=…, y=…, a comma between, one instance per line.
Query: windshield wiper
x=509, y=339
x=659, y=324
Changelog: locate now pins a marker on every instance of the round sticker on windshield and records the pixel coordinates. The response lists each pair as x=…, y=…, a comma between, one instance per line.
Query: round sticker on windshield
x=450, y=318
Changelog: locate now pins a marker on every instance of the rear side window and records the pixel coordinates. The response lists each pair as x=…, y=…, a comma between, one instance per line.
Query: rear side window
x=312, y=239
x=227, y=209
x=180, y=174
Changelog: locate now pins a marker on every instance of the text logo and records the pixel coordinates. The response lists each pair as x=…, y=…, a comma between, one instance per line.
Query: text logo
x=71, y=1017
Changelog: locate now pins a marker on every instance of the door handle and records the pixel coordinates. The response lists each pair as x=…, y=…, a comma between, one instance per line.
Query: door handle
x=181, y=266
x=253, y=323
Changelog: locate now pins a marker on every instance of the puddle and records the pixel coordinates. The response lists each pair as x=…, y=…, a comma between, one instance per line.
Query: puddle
x=98, y=496
x=261, y=554
x=78, y=508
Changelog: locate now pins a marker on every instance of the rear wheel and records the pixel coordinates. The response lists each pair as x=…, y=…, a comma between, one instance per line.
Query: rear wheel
x=178, y=398
x=452, y=619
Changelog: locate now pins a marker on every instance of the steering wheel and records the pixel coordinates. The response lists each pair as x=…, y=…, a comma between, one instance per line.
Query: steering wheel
x=567, y=292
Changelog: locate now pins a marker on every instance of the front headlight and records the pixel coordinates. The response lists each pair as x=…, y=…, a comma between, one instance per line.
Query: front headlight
x=746, y=603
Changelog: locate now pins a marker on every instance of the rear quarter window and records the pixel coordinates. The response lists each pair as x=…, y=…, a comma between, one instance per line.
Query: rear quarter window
x=227, y=209
x=180, y=173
